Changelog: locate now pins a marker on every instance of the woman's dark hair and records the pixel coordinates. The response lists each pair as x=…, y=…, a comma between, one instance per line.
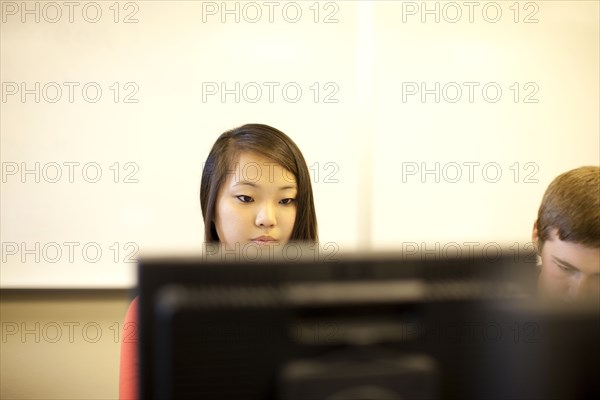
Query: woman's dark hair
x=270, y=143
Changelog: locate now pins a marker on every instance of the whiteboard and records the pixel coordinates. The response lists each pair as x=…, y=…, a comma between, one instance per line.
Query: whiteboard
x=422, y=126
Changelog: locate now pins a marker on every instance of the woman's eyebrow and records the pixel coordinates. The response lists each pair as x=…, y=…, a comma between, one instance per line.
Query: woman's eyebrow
x=254, y=185
x=247, y=183
x=563, y=262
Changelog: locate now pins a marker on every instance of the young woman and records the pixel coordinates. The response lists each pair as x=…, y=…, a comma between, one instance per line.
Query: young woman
x=255, y=190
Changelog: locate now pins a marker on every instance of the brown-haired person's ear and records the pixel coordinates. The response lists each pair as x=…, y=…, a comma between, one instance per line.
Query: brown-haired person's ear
x=535, y=238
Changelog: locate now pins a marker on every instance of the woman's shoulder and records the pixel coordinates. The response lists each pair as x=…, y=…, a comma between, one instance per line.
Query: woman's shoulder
x=132, y=311
x=128, y=380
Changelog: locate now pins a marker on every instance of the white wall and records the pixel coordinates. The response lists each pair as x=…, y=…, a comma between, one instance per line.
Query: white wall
x=369, y=55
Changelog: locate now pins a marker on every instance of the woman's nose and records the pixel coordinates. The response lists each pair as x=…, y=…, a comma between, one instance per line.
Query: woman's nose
x=266, y=216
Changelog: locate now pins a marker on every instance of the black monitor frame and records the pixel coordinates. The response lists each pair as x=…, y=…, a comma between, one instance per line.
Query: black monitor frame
x=268, y=330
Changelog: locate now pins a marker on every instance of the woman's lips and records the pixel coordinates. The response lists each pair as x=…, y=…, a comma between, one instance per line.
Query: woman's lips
x=264, y=240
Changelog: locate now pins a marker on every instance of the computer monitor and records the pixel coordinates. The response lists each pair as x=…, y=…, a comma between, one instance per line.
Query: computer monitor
x=363, y=327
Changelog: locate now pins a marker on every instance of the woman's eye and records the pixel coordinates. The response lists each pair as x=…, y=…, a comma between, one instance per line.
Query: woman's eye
x=287, y=201
x=245, y=199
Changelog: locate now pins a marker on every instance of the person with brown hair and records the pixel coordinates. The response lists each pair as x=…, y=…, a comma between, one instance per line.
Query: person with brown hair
x=255, y=190
x=256, y=176
x=567, y=236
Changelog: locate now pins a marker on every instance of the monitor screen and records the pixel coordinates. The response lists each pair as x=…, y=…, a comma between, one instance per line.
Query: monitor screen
x=362, y=327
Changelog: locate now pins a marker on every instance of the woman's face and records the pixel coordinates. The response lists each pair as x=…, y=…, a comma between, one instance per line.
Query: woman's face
x=256, y=203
